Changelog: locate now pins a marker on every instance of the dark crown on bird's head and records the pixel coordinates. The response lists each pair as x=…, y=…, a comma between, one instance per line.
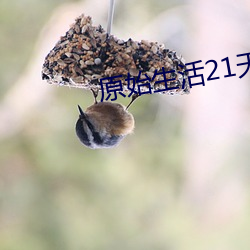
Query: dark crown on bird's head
x=92, y=138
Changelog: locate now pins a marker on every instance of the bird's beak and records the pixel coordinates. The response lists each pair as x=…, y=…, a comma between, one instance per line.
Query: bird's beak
x=82, y=115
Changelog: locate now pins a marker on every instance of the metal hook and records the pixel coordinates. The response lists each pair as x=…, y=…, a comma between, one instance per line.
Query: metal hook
x=110, y=15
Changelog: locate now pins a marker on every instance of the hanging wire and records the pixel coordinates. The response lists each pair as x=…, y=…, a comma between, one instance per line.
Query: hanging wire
x=110, y=15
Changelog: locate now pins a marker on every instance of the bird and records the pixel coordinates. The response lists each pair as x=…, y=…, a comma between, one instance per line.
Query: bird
x=104, y=124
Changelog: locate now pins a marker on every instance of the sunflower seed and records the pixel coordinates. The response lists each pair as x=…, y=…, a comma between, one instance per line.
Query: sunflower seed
x=88, y=62
x=85, y=46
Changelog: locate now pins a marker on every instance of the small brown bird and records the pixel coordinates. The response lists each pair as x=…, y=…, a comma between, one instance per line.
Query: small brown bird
x=104, y=124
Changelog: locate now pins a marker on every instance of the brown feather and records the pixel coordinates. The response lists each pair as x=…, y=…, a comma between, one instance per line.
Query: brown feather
x=111, y=117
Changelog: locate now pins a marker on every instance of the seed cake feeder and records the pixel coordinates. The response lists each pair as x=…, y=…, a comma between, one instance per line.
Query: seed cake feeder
x=87, y=53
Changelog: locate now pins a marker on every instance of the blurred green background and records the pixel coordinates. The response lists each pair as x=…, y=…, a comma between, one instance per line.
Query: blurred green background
x=181, y=181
